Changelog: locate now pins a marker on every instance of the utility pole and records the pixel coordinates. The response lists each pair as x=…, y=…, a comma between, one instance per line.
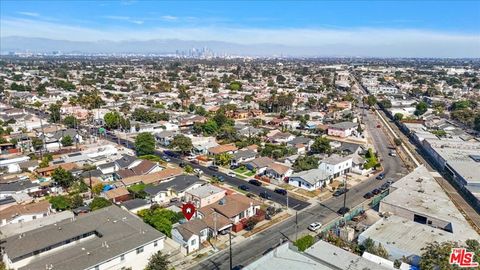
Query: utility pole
x=230, y=245
x=345, y=194
x=296, y=226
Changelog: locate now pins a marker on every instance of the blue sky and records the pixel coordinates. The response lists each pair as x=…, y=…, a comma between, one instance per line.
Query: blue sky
x=295, y=23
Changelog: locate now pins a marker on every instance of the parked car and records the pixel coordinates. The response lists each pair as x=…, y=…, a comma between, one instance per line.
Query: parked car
x=381, y=176
x=265, y=195
x=314, y=226
x=368, y=195
x=243, y=187
x=219, y=177
x=251, y=195
x=379, y=126
x=166, y=158
x=213, y=168
x=232, y=174
x=171, y=154
x=198, y=171
x=255, y=182
x=385, y=186
x=343, y=210
x=339, y=192
x=194, y=161
x=233, y=167
x=281, y=191
x=182, y=164
x=238, y=267
x=172, y=200
x=376, y=191
x=393, y=153
x=389, y=182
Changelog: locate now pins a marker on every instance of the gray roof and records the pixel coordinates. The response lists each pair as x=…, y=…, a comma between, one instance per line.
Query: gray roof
x=135, y=203
x=261, y=162
x=205, y=190
x=312, y=176
x=165, y=134
x=300, y=140
x=244, y=154
x=335, y=159
x=121, y=230
x=125, y=161
x=344, y=125
x=179, y=183
x=17, y=186
x=64, y=132
x=107, y=165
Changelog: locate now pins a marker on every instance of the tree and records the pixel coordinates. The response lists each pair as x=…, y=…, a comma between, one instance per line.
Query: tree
x=112, y=120
x=54, y=110
x=183, y=143
x=398, y=116
x=397, y=141
x=436, y=256
x=223, y=159
x=477, y=123
x=67, y=140
x=321, y=145
x=144, y=144
x=70, y=121
x=371, y=100
x=76, y=201
x=421, y=108
x=37, y=143
x=161, y=219
x=188, y=169
x=62, y=177
x=60, y=203
x=158, y=261
x=304, y=163
x=97, y=189
x=372, y=161
x=99, y=203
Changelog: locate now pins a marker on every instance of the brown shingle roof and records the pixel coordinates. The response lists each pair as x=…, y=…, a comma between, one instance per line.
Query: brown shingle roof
x=153, y=177
x=279, y=168
x=233, y=205
x=14, y=210
x=117, y=192
x=66, y=166
x=222, y=149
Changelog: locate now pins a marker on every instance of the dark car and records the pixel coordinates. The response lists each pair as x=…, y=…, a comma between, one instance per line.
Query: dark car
x=255, y=182
x=380, y=176
x=243, y=187
x=265, y=195
x=182, y=164
x=233, y=167
x=339, y=192
x=251, y=195
x=368, y=195
x=281, y=191
x=238, y=267
x=343, y=210
x=376, y=191
x=213, y=168
x=171, y=153
x=385, y=186
x=219, y=178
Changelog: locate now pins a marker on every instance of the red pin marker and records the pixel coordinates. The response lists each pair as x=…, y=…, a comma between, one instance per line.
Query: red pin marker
x=188, y=209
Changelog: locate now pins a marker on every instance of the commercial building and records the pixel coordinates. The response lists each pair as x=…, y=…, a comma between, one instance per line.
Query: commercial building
x=109, y=238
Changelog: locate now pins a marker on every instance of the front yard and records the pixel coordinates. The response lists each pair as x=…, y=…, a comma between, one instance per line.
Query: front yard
x=244, y=171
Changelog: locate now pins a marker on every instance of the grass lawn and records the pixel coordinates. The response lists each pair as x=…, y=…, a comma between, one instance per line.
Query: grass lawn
x=249, y=173
x=241, y=176
x=138, y=187
x=240, y=170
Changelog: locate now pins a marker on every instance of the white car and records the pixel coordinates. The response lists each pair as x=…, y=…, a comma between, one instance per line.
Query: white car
x=314, y=226
x=232, y=174
x=198, y=171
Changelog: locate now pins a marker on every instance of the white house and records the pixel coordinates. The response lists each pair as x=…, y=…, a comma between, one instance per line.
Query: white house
x=336, y=165
x=310, y=180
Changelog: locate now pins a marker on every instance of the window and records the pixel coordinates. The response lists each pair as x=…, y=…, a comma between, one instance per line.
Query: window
x=122, y=257
x=97, y=267
x=139, y=250
x=155, y=243
x=193, y=242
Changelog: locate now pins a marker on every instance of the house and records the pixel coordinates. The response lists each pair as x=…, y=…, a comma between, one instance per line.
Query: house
x=281, y=137
x=127, y=161
x=136, y=205
x=48, y=171
x=310, y=180
x=141, y=168
x=243, y=156
x=336, y=165
x=117, y=195
x=165, y=138
x=259, y=165
x=234, y=207
x=108, y=238
x=164, y=175
x=191, y=234
x=24, y=212
x=204, y=195
x=221, y=149
x=302, y=144
x=278, y=171
x=174, y=188
x=23, y=187
x=342, y=129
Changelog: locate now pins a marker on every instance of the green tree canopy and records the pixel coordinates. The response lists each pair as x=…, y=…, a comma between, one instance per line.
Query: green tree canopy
x=99, y=203
x=62, y=177
x=144, y=144
x=421, y=108
x=70, y=121
x=67, y=140
x=158, y=261
x=183, y=143
x=321, y=145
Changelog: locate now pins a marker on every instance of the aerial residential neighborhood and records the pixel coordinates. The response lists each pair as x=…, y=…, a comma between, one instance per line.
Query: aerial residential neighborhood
x=212, y=157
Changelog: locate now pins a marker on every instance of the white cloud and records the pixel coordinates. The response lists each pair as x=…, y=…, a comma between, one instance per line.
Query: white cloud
x=123, y=18
x=358, y=41
x=30, y=14
x=169, y=18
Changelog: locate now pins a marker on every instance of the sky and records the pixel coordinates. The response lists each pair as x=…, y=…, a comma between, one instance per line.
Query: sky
x=442, y=28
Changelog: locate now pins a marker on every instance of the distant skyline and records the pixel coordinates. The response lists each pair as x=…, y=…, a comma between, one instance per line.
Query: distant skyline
x=350, y=28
